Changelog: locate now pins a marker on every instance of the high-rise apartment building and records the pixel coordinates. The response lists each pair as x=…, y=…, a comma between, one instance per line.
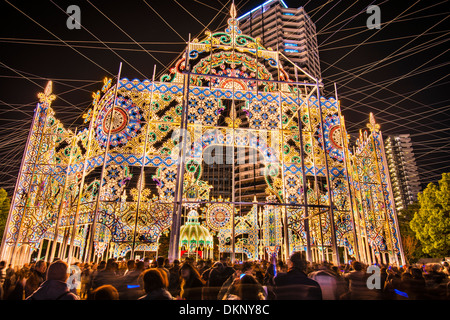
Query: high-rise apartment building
x=290, y=30
x=402, y=169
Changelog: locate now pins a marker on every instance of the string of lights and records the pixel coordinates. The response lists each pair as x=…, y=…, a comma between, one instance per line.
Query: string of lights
x=339, y=28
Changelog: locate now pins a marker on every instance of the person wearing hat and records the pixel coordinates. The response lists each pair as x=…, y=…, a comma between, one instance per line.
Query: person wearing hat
x=55, y=287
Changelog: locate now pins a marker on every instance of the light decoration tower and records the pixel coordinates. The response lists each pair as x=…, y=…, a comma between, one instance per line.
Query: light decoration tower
x=154, y=150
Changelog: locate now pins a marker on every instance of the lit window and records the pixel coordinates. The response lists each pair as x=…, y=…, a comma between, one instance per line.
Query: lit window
x=291, y=50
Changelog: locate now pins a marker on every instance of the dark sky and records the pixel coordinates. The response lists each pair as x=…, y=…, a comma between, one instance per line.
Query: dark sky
x=399, y=72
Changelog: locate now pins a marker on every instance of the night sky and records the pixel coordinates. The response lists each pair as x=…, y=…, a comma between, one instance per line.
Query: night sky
x=399, y=72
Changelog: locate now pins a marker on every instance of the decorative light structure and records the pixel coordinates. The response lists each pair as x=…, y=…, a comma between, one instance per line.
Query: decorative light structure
x=154, y=151
x=195, y=238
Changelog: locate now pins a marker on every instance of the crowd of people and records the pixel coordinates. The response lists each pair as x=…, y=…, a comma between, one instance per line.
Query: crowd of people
x=192, y=279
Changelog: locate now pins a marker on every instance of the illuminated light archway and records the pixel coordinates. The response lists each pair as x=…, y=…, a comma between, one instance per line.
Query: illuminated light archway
x=138, y=181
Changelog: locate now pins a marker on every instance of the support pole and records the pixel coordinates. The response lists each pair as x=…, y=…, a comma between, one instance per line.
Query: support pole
x=284, y=208
x=102, y=175
x=63, y=194
x=233, y=116
x=82, y=182
x=330, y=196
x=141, y=178
x=347, y=174
x=305, y=191
x=316, y=187
x=174, y=240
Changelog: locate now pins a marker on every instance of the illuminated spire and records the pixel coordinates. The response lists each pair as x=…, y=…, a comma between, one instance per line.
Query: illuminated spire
x=233, y=11
x=372, y=125
x=49, y=88
x=233, y=24
x=47, y=95
x=233, y=121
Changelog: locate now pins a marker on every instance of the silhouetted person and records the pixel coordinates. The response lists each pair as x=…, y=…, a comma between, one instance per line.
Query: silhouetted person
x=131, y=265
x=160, y=265
x=2, y=277
x=7, y=281
x=36, y=278
x=106, y=276
x=55, y=287
x=16, y=285
x=105, y=292
x=155, y=285
x=328, y=281
x=128, y=285
x=174, y=280
x=215, y=278
x=436, y=281
x=86, y=275
x=229, y=286
x=295, y=284
x=247, y=288
x=357, y=283
x=415, y=285
x=207, y=265
x=191, y=283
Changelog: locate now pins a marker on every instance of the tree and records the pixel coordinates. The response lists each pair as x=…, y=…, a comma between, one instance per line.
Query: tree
x=431, y=223
x=5, y=202
x=411, y=245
